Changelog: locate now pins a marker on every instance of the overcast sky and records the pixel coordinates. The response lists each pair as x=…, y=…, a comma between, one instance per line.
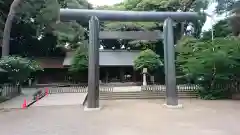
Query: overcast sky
x=206, y=26
x=212, y=20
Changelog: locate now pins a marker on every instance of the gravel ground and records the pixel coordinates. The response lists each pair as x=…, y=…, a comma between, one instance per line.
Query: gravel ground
x=126, y=117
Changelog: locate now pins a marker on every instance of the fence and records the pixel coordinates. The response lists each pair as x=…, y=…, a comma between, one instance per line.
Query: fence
x=180, y=88
x=9, y=90
x=110, y=88
x=77, y=89
x=232, y=87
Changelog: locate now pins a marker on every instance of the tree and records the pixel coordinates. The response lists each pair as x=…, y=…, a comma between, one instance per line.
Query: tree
x=18, y=68
x=210, y=63
x=21, y=11
x=147, y=59
x=221, y=29
x=72, y=33
x=3, y=16
x=151, y=5
x=228, y=8
x=42, y=16
x=69, y=34
x=224, y=6
x=8, y=26
x=162, y=5
x=80, y=59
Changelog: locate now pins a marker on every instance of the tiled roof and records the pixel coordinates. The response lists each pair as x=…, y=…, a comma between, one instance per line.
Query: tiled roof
x=49, y=62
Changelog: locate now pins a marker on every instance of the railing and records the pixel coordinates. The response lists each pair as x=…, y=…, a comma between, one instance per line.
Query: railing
x=77, y=89
x=122, y=84
x=9, y=90
x=183, y=87
x=233, y=87
x=110, y=88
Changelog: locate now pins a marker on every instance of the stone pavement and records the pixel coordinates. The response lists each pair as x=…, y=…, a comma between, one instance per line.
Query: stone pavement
x=61, y=99
x=16, y=102
x=126, y=117
x=127, y=89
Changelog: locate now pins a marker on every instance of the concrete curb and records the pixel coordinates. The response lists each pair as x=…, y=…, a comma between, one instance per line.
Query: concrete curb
x=91, y=109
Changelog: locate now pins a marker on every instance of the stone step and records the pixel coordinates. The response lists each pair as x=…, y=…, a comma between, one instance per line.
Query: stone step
x=180, y=95
x=145, y=92
x=142, y=95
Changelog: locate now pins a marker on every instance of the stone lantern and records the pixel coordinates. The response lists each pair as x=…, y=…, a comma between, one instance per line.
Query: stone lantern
x=144, y=76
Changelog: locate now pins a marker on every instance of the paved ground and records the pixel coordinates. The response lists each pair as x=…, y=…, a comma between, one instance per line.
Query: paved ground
x=61, y=99
x=17, y=102
x=126, y=117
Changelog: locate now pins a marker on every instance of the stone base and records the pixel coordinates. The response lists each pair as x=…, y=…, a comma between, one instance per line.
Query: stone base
x=91, y=109
x=179, y=106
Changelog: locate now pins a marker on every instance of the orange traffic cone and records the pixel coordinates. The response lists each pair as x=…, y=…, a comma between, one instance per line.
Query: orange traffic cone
x=46, y=91
x=24, y=105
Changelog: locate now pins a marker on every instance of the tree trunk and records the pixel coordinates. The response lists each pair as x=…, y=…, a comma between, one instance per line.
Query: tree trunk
x=8, y=27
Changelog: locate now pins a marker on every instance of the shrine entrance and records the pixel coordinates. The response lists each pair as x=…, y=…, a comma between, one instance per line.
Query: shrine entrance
x=108, y=15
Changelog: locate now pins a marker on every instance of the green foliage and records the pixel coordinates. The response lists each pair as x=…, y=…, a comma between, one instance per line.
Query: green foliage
x=221, y=29
x=44, y=14
x=225, y=5
x=124, y=26
x=69, y=32
x=209, y=63
x=165, y=5
x=118, y=6
x=80, y=60
x=144, y=44
x=41, y=14
x=40, y=18
x=72, y=32
x=147, y=59
x=18, y=68
x=74, y=4
x=153, y=5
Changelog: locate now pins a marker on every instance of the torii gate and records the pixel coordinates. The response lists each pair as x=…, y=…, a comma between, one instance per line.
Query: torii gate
x=109, y=15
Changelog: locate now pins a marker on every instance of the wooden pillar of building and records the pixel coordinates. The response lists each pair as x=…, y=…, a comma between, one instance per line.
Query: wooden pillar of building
x=134, y=76
x=121, y=69
x=107, y=75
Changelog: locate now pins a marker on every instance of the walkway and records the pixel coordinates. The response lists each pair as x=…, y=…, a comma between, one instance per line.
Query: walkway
x=61, y=99
x=16, y=102
x=128, y=117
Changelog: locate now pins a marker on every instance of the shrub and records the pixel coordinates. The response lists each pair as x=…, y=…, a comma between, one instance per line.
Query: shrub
x=147, y=59
x=18, y=68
